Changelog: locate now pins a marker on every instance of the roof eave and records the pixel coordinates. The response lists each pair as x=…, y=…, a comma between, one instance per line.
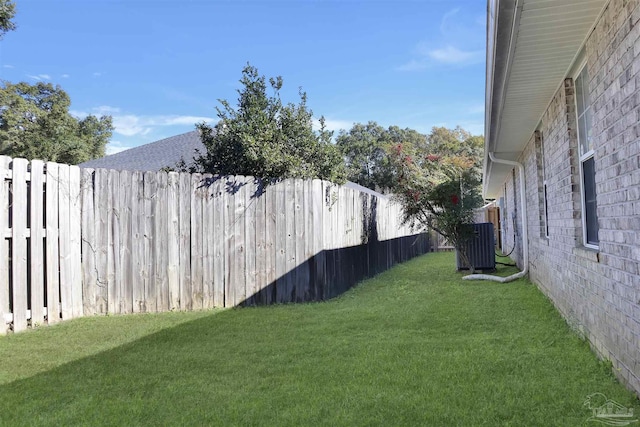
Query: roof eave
x=501, y=17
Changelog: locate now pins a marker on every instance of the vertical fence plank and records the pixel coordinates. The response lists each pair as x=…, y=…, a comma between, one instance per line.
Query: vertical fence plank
x=237, y=248
x=75, y=240
x=250, y=249
x=317, y=209
x=241, y=240
x=124, y=231
x=102, y=239
x=138, y=260
x=19, y=244
x=161, y=257
x=271, y=247
x=52, y=245
x=4, y=248
x=151, y=241
x=173, y=241
x=261, y=245
x=219, y=243
x=66, y=275
x=37, y=243
x=280, y=213
x=196, y=241
x=89, y=244
x=290, y=245
x=186, y=302
x=207, y=241
x=301, y=269
x=113, y=254
x=309, y=290
x=229, y=231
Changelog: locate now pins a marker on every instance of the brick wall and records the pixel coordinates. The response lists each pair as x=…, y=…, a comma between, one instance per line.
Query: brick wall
x=598, y=291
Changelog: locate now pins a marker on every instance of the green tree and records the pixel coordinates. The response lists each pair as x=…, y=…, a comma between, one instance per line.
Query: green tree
x=35, y=123
x=265, y=138
x=456, y=142
x=438, y=183
x=438, y=192
x=365, y=150
x=7, y=13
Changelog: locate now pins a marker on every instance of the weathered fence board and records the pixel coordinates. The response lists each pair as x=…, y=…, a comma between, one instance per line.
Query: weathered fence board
x=270, y=233
x=124, y=230
x=81, y=242
x=89, y=225
x=52, y=243
x=75, y=241
x=19, y=244
x=196, y=242
x=173, y=240
x=113, y=238
x=101, y=246
x=186, y=297
x=37, y=242
x=4, y=243
x=218, y=244
x=158, y=264
x=151, y=244
x=139, y=260
x=249, y=241
x=207, y=232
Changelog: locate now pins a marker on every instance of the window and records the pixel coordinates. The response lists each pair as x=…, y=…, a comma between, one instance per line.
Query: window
x=542, y=186
x=587, y=164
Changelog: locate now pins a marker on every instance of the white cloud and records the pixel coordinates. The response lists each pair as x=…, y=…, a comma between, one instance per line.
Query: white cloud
x=65, y=76
x=183, y=120
x=414, y=65
x=7, y=66
x=39, y=77
x=461, y=43
x=130, y=125
x=97, y=74
x=140, y=125
x=447, y=20
x=452, y=55
x=78, y=114
x=114, y=147
x=105, y=109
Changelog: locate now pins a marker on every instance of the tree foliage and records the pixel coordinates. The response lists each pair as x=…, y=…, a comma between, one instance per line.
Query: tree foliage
x=457, y=143
x=7, y=13
x=35, y=123
x=265, y=138
x=438, y=185
x=365, y=147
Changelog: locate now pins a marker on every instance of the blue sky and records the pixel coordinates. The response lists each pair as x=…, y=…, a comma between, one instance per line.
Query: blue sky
x=159, y=66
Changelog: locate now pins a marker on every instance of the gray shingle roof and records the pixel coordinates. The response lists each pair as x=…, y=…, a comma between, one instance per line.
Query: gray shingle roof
x=167, y=152
x=153, y=156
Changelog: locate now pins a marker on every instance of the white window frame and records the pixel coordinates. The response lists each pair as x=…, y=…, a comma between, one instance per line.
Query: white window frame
x=582, y=157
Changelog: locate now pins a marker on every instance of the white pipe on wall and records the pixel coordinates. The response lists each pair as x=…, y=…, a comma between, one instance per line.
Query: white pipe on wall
x=525, y=233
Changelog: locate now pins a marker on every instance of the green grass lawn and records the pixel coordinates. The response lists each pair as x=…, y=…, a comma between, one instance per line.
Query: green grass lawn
x=413, y=346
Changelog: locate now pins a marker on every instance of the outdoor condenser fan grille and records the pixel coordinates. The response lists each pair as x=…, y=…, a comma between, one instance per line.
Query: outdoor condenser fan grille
x=480, y=249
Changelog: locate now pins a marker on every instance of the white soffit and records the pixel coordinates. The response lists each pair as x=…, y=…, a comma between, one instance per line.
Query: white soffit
x=546, y=37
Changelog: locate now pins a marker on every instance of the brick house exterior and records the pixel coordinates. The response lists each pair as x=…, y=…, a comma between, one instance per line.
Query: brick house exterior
x=563, y=100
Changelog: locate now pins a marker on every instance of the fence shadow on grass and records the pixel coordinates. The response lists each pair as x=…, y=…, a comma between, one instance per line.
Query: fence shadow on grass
x=333, y=272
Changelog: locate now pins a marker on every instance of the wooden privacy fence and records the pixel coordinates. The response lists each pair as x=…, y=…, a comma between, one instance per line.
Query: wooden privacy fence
x=83, y=241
